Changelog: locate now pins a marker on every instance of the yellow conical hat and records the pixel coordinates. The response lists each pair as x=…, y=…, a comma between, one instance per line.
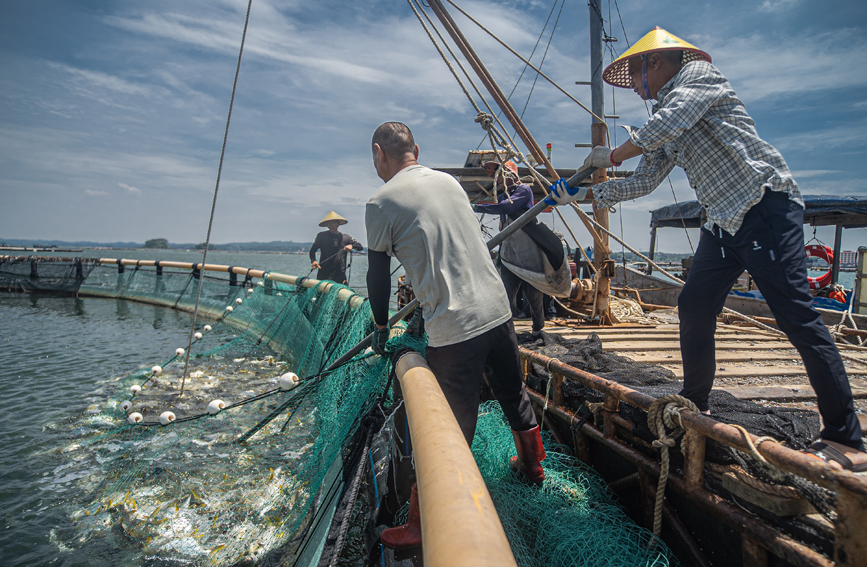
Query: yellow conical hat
x=333, y=216
x=657, y=39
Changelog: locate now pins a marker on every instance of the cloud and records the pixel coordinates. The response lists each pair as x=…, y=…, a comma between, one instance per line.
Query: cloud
x=130, y=189
x=765, y=65
x=95, y=193
x=777, y=5
x=807, y=173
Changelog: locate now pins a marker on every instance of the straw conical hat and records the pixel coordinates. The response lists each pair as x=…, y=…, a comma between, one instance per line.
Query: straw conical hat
x=332, y=216
x=657, y=39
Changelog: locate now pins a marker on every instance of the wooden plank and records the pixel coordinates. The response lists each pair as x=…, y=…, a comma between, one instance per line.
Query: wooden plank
x=637, y=336
x=650, y=346
x=729, y=371
x=789, y=393
x=734, y=356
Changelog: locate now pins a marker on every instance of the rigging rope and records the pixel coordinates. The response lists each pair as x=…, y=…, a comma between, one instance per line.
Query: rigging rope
x=526, y=62
x=524, y=70
x=216, y=190
x=544, y=56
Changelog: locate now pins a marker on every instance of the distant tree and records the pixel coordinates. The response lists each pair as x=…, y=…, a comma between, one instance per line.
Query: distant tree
x=160, y=243
x=201, y=246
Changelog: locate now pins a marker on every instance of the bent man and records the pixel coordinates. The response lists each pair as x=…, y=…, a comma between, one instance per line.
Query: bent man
x=333, y=247
x=532, y=258
x=755, y=222
x=424, y=219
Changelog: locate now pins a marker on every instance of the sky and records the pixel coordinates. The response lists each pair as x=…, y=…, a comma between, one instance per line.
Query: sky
x=112, y=113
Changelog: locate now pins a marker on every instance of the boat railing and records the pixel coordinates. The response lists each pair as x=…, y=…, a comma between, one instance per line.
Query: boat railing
x=757, y=537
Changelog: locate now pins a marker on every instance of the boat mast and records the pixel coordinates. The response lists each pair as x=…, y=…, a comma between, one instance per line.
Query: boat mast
x=598, y=133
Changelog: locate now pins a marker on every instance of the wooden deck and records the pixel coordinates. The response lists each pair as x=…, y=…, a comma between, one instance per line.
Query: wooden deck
x=751, y=364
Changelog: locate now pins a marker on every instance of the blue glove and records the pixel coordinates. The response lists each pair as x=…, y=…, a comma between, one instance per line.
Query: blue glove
x=377, y=343
x=562, y=194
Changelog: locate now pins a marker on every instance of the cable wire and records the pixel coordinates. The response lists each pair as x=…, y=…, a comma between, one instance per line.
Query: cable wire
x=216, y=190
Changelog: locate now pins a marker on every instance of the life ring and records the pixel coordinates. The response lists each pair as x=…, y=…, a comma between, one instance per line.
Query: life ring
x=826, y=254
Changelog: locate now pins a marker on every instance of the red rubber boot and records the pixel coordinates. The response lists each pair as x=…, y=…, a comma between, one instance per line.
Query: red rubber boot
x=409, y=534
x=531, y=453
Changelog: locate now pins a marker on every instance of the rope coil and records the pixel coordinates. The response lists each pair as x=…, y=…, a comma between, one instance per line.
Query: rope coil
x=661, y=415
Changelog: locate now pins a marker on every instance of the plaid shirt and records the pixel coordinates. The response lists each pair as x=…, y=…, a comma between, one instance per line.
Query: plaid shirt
x=700, y=125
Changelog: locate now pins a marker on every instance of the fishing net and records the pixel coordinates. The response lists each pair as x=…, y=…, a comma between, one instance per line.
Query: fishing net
x=573, y=519
x=41, y=273
x=188, y=492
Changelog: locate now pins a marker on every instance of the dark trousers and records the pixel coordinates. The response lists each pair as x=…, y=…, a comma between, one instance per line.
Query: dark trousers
x=770, y=246
x=459, y=367
x=534, y=305
x=331, y=275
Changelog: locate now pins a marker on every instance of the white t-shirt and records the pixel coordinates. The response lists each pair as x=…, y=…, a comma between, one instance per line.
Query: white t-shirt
x=424, y=218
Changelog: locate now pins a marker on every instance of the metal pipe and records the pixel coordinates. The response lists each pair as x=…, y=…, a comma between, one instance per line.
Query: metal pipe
x=838, y=244
x=459, y=523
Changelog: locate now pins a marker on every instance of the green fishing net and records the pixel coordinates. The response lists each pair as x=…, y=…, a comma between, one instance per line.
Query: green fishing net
x=188, y=493
x=572, y=520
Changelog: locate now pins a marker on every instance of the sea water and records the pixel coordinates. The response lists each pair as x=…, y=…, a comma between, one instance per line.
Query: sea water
x=58, y=357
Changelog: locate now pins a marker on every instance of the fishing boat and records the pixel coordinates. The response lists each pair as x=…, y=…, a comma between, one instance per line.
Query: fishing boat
x=630, y=480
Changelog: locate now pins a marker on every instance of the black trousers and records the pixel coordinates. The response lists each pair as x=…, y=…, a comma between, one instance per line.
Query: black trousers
x=331, y=275
x=459, y=367
x=513, y=285
x=770, y=246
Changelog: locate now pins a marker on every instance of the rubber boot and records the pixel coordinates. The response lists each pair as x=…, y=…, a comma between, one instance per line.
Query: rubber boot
x=531, y=453
x=409, y=534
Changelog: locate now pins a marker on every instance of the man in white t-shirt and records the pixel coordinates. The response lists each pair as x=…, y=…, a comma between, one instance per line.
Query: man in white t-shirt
x=425, y=219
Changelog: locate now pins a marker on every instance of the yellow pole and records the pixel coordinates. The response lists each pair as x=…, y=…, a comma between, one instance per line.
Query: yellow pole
x=459, y=524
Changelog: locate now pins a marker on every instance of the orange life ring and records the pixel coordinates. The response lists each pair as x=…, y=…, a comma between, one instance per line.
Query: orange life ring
x=826, y=254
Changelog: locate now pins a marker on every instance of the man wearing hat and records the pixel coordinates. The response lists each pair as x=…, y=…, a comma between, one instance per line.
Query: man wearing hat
x=523, y=255
x=755, y=221
x=333, y=247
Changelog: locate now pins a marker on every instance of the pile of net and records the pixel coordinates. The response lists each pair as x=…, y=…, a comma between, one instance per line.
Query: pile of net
x=794, y=428
x=188, y=492
x=572, y=520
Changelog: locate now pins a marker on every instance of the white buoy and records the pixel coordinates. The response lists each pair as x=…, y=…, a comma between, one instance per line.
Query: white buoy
x=166, y=418
x=207, y=328
x=250, y=290
x=179, y=351
x=157, y=370
x=125, y=406
x=135, y=389
x=230, y=309
x=215, y=406
x=289, y=381
x=239, y=301
x=198, y=336
x=135, y=417
x=261, y=284
x=279, y=294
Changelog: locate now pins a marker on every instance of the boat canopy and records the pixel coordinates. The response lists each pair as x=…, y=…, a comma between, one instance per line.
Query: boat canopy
x=821, y=210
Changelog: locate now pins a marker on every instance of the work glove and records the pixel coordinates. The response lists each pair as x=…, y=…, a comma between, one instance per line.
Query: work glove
x=600, y=156
x=377, y=343
x=415, y=327
x=561, y=193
